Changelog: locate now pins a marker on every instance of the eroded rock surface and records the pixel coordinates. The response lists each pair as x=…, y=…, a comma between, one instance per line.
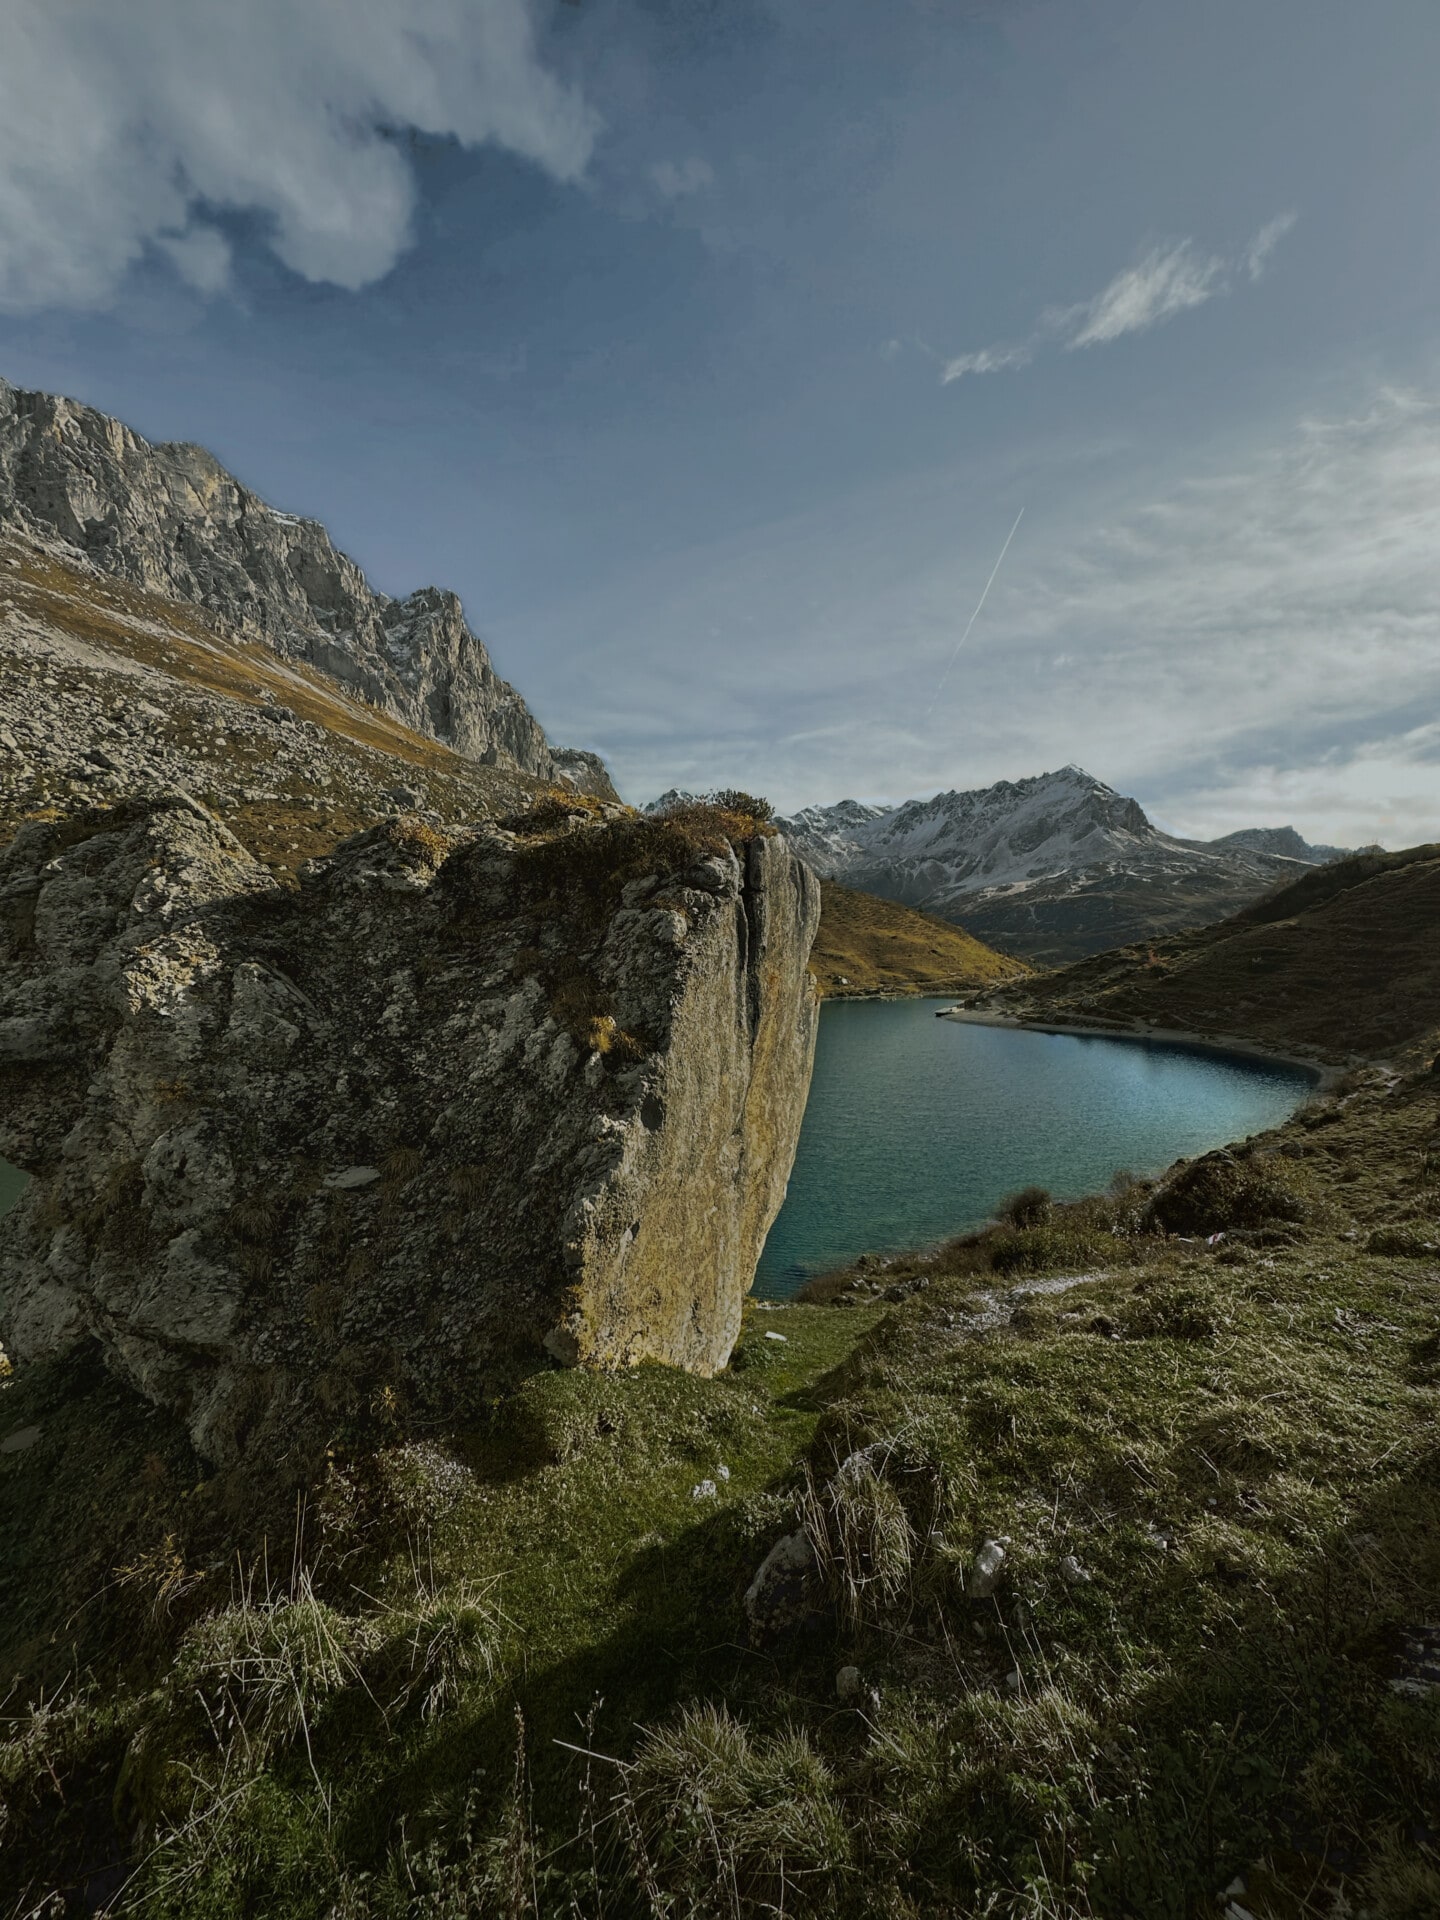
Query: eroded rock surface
x=464, y=1099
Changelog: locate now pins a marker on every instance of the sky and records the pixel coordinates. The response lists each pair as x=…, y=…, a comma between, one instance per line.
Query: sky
x=711, y=350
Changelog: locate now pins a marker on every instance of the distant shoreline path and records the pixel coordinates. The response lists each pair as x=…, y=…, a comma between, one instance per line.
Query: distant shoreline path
x=1324, y=1072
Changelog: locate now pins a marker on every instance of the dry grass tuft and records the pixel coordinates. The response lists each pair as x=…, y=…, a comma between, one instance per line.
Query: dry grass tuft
x=733, y=1823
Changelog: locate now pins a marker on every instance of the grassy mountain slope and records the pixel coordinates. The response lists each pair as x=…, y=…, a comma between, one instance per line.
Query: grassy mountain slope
x=1344, y=963
x=289, y=760
x=868, y=945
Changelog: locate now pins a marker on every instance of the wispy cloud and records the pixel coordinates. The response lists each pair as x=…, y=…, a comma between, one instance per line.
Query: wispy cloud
x=130, y=131
x=1167, y=280
x=1265, y=243
x=987, y=360
x=1254, y=643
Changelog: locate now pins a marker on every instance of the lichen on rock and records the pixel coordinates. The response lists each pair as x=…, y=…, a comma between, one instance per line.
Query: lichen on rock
x=468, y=1099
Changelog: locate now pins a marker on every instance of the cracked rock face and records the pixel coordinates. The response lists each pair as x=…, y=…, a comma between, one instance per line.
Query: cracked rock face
x=171, y=519
x=463, y=1102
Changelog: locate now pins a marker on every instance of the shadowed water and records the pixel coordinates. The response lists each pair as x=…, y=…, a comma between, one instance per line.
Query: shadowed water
x=916, y=1127
x=12, y=1184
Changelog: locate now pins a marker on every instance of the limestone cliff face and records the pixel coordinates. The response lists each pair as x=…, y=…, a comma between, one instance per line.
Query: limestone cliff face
x=171, y=519
x=464, y=1100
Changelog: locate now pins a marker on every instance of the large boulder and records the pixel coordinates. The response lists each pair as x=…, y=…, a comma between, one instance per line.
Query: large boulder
x=466, y=1103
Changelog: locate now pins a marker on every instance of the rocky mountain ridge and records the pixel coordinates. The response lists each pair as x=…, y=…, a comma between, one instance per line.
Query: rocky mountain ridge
x=170, y=519
x=1050, y=867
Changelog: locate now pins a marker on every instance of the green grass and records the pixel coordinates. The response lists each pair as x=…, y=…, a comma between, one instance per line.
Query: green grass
x=508, y=1670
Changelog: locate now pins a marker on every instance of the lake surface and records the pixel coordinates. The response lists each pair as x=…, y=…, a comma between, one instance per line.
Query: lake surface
x=917, y=1128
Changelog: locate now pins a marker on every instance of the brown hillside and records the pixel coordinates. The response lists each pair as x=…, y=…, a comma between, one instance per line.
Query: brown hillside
x=869, y=945
x=1345, y=963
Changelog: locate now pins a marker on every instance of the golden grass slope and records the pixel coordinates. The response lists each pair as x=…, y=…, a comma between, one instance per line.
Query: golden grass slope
x=867, y=945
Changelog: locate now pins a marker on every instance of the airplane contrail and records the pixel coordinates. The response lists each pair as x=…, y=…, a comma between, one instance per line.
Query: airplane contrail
x=939, y=684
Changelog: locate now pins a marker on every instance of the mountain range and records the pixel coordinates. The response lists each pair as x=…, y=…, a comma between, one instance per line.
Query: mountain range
x=1052, y=868
x=171, y=520
x=1049, y=868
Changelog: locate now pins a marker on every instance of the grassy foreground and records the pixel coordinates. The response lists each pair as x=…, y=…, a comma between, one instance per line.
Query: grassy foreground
x=509, y=1671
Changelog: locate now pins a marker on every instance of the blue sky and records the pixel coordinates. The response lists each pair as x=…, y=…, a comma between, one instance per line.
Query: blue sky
x=710, y=349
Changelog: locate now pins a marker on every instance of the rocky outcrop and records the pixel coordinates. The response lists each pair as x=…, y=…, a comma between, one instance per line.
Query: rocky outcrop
x=171, y=519
x=462, y=1101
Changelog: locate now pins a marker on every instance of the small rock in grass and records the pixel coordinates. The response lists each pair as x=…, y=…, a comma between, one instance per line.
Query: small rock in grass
x=19, y=1440
x=984, y=1575
x=849, y=1684
x=785, y=1590
x=722, y=1472
x=776, y=1336
x=704, y=1490
x=1071, y=1568
x=353, y=1177
x=1014, y=1680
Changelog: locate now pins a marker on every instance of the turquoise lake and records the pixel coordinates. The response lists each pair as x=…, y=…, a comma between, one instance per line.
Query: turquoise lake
x=917, y=1128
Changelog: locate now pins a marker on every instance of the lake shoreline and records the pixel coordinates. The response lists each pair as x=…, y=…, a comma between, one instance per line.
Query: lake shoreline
x=1324, y=1071
x=914, y=1133
x=938, y=990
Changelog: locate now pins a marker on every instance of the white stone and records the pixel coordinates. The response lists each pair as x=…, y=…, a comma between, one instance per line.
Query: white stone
x=984, y=1575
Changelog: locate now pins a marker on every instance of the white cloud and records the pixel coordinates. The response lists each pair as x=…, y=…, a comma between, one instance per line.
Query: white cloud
x=123, y=128
x=200, y=255
x=1165, y=281
x=987, y=360
x=1385, y=790
x=675, y=179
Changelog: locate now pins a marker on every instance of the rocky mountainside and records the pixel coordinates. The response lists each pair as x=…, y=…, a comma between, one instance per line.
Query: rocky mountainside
x=108, y=692
x=1287, y=843
x=459, y=1099
x=171, y=520
x=1051, y=868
